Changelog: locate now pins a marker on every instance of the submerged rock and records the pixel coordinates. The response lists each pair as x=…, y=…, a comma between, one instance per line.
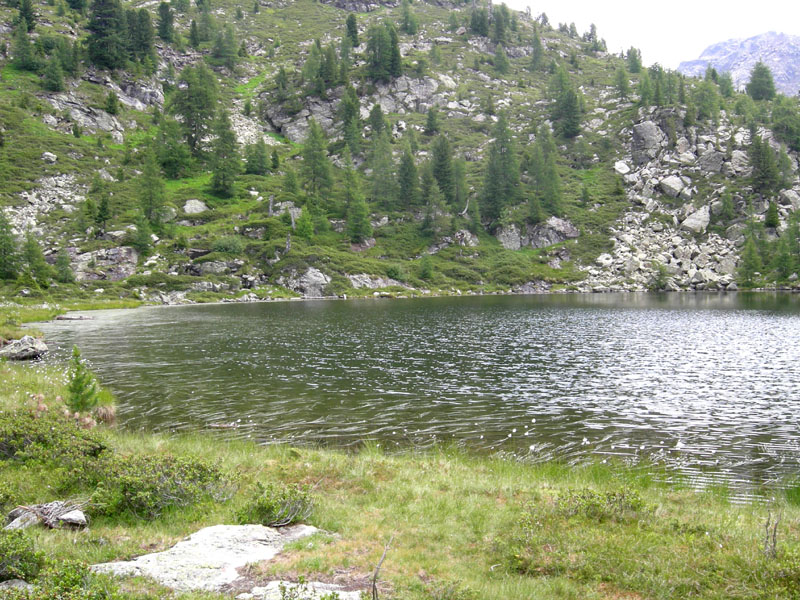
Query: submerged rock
x=208, y=559
x=25, y=348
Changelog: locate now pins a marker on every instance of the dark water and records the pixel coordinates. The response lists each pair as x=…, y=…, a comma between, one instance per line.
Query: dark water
x=710, y=383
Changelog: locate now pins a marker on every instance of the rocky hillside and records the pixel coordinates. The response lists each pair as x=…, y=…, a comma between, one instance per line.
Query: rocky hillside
x=618, y=179
x=779, y=51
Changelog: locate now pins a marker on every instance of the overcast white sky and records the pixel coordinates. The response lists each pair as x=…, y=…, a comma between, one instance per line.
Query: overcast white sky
x=669, y=31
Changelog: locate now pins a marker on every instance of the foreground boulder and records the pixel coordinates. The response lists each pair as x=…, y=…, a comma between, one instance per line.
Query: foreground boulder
x=208, y=559
x=25, y=348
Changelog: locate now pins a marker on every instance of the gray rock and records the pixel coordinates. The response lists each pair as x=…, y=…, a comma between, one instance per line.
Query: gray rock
x=208, y=559
x=15, y=584
x=49, y=158
x=213, y=267
x=622, y=167
x=697, y=221
x=25, y=348
x=74, y=518
x=552, y=231
x=194, y=207
x=21, y=519
x=362, y=280
x=790, y=198
x=113, y=264
x=711, y=161
x=672, y=186
x=740, y=163
x=647, y=140
x=313, y=590
x=465, y=238
x=509, y=237
x=310, y=284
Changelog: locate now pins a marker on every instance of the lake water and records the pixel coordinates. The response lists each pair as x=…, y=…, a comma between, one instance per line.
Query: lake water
x=710, y=383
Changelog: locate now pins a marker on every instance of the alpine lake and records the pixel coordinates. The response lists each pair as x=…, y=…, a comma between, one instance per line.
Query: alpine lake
x=708, y=384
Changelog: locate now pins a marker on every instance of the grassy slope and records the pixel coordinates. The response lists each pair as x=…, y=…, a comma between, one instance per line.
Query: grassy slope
x=464, y=526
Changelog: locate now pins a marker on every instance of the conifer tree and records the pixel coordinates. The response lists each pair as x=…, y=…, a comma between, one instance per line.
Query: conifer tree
x=442, y=167
x=257, y=158
x=35, y=261
x=501, y=177
x=64, y=272
x=107, y=43
x=408, y=23
x=9, y=256
x=479, y=22
x=537, y=51
x=276, y=161
x=103, y=210
x=304, y=227
x=195, y=101
x=53, y=75
x=316, y=165
x=771, y=217
x=622, y=84
x=501, y=64
x=436, y=220
x=432, y=121
x=634, y=60
x=358, y=225
x=761, y=85
x=166, y=28
x=750, y=263
x=408, y=179
x=225, y=163
x=27, y=15
x=352, y=29
x=24, y=57
x=173, y=155
x=152, y=193
x=376, y=120
x=383, y=183
x=142, y=239
x=82, y=395
x=194, y=35
x=225, y=49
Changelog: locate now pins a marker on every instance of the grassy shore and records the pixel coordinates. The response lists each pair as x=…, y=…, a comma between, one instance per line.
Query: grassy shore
x=463, y=526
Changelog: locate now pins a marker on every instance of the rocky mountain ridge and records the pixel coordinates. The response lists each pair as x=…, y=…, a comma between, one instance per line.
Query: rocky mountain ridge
x=779, y=51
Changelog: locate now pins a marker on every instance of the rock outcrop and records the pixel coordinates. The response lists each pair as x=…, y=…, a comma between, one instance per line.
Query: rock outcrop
x=25, y=348
x=311, y=283
x=209, y=559
x=541, y=235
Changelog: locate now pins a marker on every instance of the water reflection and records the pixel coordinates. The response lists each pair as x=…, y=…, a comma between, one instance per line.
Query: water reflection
x=705, y=381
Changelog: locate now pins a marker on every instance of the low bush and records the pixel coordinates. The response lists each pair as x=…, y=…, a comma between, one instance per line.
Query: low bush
x=276, y=505
x=230, y=244
x=25, y=436
x=18, y=557
x=144, y=486
x=621, y=505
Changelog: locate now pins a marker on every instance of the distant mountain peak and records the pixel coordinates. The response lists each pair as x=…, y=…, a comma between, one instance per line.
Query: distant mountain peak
x=779, y=51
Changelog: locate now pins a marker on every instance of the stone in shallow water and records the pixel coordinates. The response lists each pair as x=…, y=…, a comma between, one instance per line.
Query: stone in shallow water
x=208, y=559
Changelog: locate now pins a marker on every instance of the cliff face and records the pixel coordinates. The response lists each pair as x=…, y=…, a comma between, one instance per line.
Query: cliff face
x=779, y=51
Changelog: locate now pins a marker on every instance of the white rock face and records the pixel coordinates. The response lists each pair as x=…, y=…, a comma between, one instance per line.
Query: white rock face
x=309, y=591
x=208, y=559
x=622, y=167
x=672, y=186
x=697, y=221
x=194, y=207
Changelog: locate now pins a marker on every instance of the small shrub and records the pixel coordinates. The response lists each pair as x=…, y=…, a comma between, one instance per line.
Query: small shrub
x=46, y=438
x=6, y=495
x=145, y=485
x=18, y=557
x=621, y=505
x=395, y=272
x=276, y=505
x=82, y=388
x=230, y=244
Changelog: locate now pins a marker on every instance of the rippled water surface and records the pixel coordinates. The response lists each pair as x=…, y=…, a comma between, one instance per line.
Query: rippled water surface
x=711, y=383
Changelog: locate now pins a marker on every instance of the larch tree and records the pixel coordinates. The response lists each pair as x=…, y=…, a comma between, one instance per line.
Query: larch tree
x=225, y=160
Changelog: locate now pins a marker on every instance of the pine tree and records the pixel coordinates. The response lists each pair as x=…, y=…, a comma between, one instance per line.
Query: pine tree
x=142, y=239
x=64, y=272
x=103, y=210
x=304, y=227
x=761, y=85
x=27, y=15
x=432, y=121
x=537, y=51
x=276, y=161
x=771, y=217
x=501, y=64
x=634, y=60
x=383, y=184
x=24, y=57
x=194, y=35
x=151, y=189
x=645, y=89
x=726, y=85
x=316, y=165
x=623, y=86
x=112, y=103
x=750, y=263
x=501, y=177
x=442, y=167
x=142, y=42
x=408, y=23
x=257, y=158
x=765, y=176
x=376, y=120
x=166, y=28
x=359, y=228
x=408, y=180
x=436, y=218
x=195, y=101
x=225, y=163
x=225, y=49
x=35, y=262
x=479, y=22
x=107, y=43
x=53, y=76
x=352, y=29
x=9, y=256
x=783, y=263
x=82, y=394
x=173, y=155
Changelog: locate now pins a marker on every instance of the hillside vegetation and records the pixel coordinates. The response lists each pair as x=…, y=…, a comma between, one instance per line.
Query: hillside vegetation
x=192, y=152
